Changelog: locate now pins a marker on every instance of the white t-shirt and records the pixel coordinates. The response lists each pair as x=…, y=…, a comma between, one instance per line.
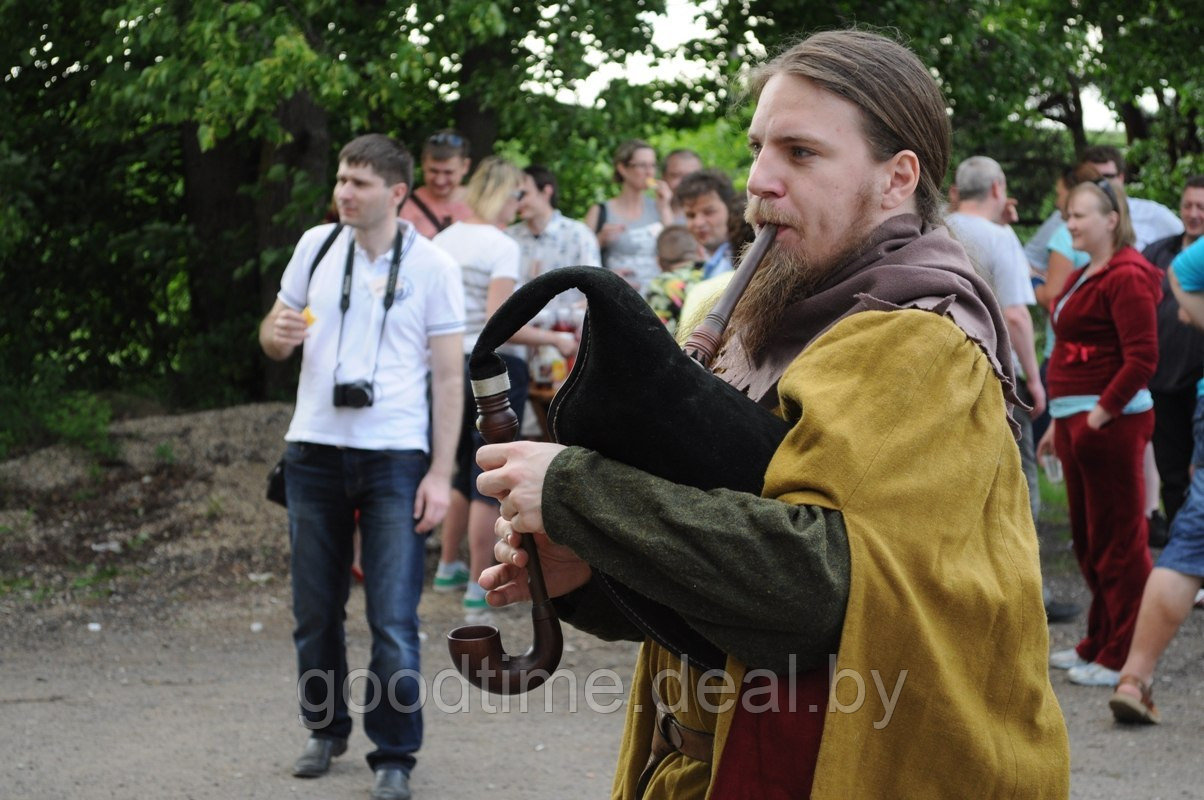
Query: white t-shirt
x=998, y=255
x=428, y=301
x=1152, y=221
x=484, y=254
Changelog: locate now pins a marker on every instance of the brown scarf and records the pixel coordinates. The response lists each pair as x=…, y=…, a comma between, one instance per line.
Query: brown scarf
x=906, y=264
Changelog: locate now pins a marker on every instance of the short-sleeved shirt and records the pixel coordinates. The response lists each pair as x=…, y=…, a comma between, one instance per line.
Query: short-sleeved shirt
x=1188, y=267
x=428, y=302
x=1037, y=248
x=563, y=243
x=446, y=213
x=998, y=256
x=632, y=254
x=1152, y=221
x=484, y=254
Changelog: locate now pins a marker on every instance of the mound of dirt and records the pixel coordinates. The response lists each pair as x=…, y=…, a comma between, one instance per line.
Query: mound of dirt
x=180, y=511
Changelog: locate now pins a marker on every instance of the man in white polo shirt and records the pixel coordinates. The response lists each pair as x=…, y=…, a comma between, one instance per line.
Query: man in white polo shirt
x=380, y=312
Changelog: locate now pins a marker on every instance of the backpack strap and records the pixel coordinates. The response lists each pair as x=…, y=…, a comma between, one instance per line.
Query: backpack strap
x=440, y=224
x=324, y=249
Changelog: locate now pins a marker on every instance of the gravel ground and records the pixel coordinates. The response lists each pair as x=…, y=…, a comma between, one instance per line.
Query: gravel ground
x=145, y=648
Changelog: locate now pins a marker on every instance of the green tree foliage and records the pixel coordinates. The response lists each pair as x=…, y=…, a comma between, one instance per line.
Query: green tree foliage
x=160, y=159
x=164, y=156
x=1011, y=67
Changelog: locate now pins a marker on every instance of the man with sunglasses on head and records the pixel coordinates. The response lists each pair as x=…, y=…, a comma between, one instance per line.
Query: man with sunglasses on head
x=437, y=203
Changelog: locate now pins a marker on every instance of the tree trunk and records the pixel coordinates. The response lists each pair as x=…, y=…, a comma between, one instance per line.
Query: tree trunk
x=1067, y=108
x=220, y=214
x=476, y=120
x=1136, y=125
x=308, y=152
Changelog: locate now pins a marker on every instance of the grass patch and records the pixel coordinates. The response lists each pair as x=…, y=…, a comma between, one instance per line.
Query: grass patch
x=10, y=585
x=165, y=454
x=94, y=578
x=1054, y=510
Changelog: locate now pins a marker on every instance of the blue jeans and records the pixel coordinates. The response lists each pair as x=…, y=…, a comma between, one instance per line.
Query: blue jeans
x=325, y=487
x=1185, y=551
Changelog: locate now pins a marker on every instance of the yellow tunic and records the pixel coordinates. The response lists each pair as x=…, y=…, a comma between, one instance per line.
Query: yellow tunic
x=901, y=427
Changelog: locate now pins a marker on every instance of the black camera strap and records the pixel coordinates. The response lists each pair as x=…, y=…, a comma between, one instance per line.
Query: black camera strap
x=390, y=290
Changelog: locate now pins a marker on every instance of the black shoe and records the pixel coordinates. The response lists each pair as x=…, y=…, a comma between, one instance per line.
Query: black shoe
x=315, y=758
x=1056, y=611
x=392, y=783
x=1159, y=529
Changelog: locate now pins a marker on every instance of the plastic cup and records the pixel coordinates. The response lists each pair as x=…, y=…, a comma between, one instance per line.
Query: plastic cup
x=1053, y=468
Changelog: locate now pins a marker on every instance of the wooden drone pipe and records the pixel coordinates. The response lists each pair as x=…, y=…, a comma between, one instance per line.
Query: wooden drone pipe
x=703, y=342
x=476, y=650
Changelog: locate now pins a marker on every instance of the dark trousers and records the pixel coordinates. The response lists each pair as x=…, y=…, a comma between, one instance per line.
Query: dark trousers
x=1172, y=444
x=1105, y=493
x=326, y=485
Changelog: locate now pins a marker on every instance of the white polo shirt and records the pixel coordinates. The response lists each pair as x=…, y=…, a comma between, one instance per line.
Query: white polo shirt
x=428, y=302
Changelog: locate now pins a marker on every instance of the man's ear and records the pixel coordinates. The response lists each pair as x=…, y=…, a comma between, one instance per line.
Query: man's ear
x=902, y=177
x=399, y=192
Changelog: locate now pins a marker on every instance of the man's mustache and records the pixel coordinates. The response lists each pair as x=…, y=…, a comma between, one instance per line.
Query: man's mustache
x=759, y=213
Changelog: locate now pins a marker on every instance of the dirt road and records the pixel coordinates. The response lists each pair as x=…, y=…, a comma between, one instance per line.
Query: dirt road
x=145, y=650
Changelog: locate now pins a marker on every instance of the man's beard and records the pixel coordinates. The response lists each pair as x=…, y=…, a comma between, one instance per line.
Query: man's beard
x=786, y=276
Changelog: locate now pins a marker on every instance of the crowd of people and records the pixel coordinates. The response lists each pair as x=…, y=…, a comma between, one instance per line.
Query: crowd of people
x=1112, y=402
x=875, y=290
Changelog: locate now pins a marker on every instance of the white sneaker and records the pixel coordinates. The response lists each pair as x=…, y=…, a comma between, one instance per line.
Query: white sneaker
x=1065, y=659
x=1093, y=675
x=1200, y=599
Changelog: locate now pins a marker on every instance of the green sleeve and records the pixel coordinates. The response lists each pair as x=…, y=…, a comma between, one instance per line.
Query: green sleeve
x=590, y=609
x=761, y=579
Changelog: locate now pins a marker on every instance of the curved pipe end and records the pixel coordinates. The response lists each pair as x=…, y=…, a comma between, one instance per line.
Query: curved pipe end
x=477, y=652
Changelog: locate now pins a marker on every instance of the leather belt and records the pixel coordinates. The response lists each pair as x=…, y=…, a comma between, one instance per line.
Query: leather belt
x=670, y=736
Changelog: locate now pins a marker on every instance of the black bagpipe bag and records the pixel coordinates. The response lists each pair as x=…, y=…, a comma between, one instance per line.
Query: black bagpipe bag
x=634, y=396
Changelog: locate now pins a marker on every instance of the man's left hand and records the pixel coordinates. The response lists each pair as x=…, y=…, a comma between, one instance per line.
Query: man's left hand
x=431, y=501
x=514, y=474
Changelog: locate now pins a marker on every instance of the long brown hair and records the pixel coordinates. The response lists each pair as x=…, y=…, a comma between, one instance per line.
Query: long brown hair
x=902, y=108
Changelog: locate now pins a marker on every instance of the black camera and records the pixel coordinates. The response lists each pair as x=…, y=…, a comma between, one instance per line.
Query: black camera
x=353, y=395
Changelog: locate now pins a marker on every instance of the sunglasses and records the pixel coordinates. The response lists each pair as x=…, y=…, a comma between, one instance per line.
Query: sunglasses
x=1103, y=184
x=446, y=140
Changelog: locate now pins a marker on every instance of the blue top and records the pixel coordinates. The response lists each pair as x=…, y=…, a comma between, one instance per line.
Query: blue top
x=1188, y=267
x=1061, y=242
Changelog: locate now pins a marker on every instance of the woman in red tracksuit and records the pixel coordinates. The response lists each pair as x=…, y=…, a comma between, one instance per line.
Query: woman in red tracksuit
x=1105, y=351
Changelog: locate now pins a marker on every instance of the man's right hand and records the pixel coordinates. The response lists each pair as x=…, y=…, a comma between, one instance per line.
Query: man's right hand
x=282, y=331
x=506, y=582
x=289, y=328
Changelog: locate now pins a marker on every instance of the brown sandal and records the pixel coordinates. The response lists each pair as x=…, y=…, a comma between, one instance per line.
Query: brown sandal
x=1132, y=710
